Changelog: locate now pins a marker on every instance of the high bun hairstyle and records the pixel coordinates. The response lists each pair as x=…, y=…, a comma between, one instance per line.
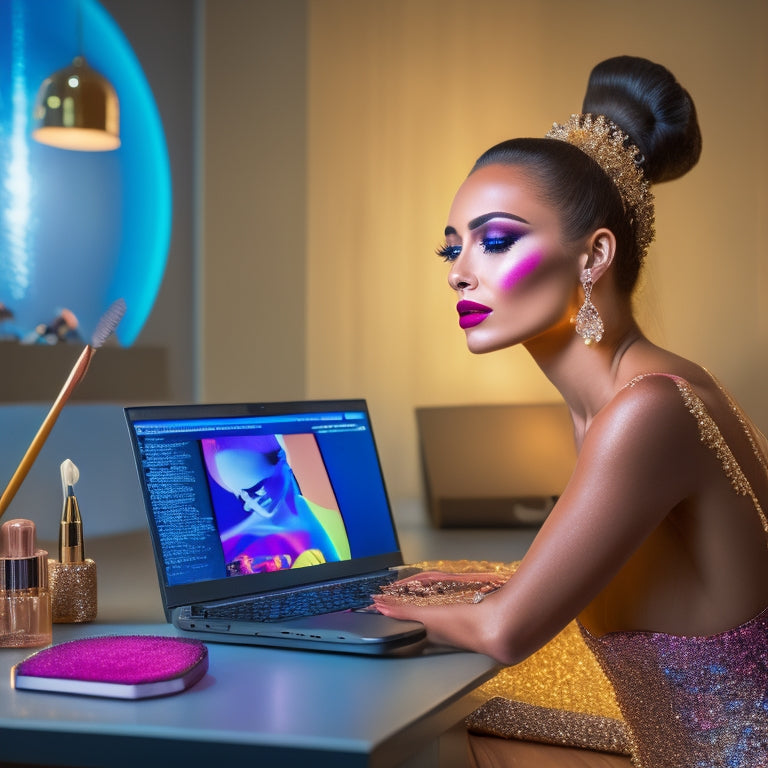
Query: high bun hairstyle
x=645, y=102
x=652, y=108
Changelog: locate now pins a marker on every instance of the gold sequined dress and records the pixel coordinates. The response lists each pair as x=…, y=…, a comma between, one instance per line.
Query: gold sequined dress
x=680, y=701
x=694, y=702
x=691, y=702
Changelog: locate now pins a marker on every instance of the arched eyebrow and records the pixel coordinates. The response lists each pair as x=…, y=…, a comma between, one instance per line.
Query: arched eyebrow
x=486, y=217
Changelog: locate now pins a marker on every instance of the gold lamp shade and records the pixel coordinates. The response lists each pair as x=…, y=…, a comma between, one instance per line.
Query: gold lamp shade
x=77, y=108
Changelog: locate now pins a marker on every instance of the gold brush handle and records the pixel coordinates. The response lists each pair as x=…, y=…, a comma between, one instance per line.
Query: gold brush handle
x=74, y=378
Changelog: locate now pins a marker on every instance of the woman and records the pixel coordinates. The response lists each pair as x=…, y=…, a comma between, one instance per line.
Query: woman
x=658, y=545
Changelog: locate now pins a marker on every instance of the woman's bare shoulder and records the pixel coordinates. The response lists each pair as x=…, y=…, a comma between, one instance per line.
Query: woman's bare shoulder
x=653, y=405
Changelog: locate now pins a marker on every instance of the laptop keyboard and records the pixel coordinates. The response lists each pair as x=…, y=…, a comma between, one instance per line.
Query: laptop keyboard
x=302, y=601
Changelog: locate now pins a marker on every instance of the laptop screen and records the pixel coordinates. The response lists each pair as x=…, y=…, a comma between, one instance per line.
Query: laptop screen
x=249, y=498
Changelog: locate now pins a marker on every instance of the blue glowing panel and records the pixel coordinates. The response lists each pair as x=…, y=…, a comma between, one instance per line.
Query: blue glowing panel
x=78, y=229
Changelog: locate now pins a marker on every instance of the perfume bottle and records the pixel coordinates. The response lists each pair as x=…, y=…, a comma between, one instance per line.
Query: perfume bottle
x=25, y=602
x=73, y=576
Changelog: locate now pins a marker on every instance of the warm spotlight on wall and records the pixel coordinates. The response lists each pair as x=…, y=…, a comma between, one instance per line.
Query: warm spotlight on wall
x=77, y=108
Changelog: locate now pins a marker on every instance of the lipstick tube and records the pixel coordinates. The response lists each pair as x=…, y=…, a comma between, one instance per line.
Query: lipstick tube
x=73, y=576
x=25, y=601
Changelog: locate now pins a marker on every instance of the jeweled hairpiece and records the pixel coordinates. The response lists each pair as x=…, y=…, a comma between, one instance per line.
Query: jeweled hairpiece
x=611, y=148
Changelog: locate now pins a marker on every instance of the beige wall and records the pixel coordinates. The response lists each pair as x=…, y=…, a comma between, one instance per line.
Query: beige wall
x=252, y=278
x=401, y=96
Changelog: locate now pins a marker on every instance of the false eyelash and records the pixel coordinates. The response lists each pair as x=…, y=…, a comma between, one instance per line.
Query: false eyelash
x=499, y=244
x=448, y=252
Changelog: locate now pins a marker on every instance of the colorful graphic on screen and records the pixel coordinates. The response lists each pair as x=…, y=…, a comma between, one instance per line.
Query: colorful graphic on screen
x=274, y=505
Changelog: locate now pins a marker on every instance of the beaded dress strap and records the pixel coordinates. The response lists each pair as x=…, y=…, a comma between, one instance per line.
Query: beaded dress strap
x=710, y=436
x=748, y=428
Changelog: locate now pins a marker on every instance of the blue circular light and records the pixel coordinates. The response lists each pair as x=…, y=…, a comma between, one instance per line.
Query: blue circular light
x=78, y=229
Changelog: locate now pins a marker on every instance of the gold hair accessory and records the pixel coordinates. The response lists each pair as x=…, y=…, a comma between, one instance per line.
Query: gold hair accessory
x=611, y=148
x=589, y=324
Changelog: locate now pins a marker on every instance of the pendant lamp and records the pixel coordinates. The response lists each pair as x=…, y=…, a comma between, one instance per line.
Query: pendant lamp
x=77, y=108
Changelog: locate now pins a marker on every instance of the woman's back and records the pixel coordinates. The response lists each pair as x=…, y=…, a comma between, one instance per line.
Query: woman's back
x=696, y=693
x=704, y=568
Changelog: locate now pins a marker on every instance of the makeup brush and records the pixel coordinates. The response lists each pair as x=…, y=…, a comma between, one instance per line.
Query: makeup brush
x=104, y=329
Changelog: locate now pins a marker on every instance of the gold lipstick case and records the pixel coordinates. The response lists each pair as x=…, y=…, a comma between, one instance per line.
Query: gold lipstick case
x=73, y=577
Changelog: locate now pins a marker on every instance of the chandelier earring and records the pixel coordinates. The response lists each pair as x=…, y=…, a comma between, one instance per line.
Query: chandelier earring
x=589, y=324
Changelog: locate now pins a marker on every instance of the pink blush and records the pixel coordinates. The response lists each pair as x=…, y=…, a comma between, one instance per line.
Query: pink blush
x=522, y=269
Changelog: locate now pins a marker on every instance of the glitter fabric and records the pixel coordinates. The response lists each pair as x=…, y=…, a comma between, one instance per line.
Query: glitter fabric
x=559, y=695
x=563, y=674
x=443, y=591
x=513, y=719
x=692, y=702
x=123, y=659
x=463, y=589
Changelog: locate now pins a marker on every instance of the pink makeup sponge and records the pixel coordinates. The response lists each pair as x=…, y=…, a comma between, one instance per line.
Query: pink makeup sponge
x=117, y=666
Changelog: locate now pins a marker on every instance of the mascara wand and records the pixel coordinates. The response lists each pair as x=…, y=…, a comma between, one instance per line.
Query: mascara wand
x=104, y=329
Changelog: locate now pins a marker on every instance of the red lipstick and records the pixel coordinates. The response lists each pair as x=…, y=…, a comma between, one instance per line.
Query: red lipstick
x=471, y=313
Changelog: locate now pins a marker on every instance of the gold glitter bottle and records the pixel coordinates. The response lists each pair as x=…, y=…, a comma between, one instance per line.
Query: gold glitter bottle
x=73, y=577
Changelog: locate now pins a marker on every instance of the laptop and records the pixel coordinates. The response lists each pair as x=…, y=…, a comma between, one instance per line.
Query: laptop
x=271, y=524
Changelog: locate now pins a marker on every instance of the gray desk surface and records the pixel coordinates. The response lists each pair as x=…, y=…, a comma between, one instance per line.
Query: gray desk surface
x=261, y=705
x=266, y=706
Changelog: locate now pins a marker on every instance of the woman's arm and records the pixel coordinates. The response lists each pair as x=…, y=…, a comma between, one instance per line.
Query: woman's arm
x=640, y=458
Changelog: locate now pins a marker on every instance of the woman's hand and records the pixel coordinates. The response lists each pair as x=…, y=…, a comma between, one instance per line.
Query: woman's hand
x=440, y=587
x=446, y=603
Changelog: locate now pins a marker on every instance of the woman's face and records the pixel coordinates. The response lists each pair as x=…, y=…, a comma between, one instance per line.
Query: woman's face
x=514, y=277
x=261, y=480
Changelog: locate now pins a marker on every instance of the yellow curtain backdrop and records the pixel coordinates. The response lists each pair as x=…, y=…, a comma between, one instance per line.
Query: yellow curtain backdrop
x=402, y=97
